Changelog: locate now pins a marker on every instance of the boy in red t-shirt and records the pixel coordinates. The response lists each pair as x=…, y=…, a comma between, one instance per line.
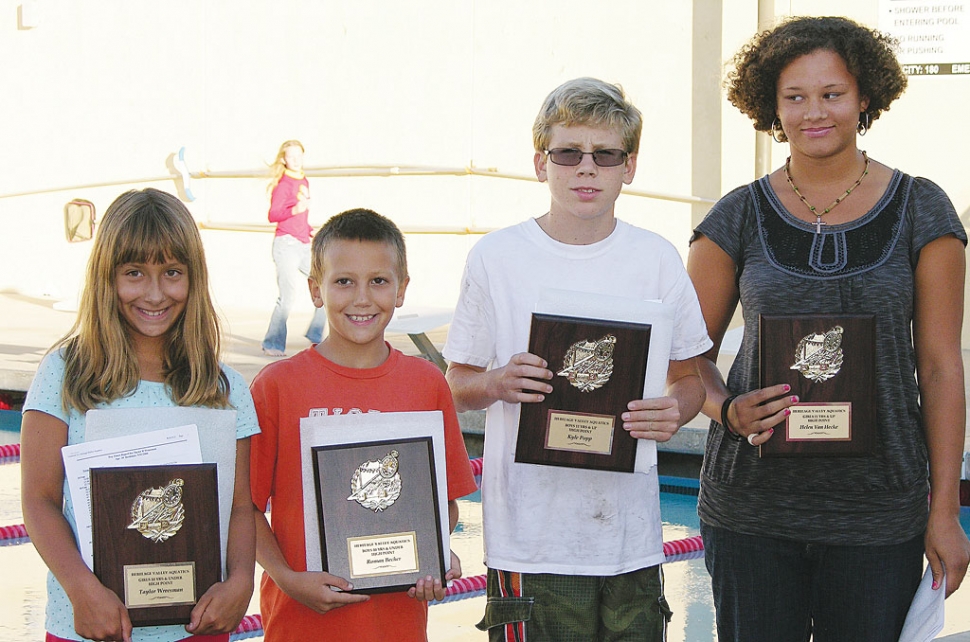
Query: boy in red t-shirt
x=359, y=275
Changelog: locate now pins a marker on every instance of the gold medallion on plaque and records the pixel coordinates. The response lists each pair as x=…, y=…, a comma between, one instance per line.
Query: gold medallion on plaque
x=819, y=356
x=589, y=364
x=158, y=513
x=376, y=484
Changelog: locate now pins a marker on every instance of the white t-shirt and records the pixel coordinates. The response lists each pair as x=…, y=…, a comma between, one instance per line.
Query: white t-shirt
x=549, y=519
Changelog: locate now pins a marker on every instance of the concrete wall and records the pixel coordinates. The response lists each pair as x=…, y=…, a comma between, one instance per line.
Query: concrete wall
x=105, y=92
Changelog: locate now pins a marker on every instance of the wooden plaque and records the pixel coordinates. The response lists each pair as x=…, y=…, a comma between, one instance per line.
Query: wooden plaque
x=378, y=510
x=155, y=531
x=599, y=368
x=830, y=363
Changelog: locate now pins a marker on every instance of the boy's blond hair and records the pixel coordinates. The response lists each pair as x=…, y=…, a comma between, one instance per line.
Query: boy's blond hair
x=358, y=225
x=588, y=101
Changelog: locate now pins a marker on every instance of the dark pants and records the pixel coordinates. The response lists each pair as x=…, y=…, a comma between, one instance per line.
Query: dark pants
x=776, y=590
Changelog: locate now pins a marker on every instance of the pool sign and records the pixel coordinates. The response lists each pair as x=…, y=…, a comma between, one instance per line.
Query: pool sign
x=934, y=35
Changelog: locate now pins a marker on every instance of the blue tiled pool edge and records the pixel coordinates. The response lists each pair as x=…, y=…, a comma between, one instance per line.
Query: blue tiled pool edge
x=679, y=485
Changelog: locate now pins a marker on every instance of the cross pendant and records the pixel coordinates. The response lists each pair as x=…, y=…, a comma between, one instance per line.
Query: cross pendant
x=818, y=224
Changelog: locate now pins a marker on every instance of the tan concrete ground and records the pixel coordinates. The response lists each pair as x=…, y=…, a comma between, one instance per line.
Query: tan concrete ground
x=29, y=326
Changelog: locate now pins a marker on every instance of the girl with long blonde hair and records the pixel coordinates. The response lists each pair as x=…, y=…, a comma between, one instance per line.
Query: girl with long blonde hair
x=146, y=335
x=290, y=209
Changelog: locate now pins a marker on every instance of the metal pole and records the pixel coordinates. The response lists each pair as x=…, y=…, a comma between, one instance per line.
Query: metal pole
x=763, y=141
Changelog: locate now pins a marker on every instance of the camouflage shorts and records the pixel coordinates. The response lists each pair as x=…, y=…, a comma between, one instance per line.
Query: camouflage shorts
x=526, y=607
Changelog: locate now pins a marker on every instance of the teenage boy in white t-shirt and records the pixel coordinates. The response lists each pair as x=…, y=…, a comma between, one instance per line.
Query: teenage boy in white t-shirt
x=572, y=554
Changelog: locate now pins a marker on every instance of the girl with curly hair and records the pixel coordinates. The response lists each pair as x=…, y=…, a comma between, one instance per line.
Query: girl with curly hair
x=825, y=546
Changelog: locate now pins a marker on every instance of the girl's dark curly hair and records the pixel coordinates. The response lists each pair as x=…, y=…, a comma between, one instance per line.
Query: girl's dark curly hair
x=868, y=54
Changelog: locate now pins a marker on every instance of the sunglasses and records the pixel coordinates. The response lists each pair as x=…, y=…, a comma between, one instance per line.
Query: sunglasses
x=570, y=157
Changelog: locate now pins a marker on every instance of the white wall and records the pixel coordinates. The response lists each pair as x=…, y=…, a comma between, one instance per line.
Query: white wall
x=923, y=133
x=106, y=91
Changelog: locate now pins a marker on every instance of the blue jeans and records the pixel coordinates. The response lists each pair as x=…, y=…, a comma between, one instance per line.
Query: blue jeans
x=777, y=590
x=292, y=260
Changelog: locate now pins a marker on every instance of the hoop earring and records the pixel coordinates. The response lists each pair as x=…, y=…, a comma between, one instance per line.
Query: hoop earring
x=775, y=130
x=865, y=122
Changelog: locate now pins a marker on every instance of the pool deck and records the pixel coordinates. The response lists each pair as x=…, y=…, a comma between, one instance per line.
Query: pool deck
x=29, y=326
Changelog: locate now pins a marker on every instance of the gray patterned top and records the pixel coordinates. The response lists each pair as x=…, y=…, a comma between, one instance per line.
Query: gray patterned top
x=865, y=266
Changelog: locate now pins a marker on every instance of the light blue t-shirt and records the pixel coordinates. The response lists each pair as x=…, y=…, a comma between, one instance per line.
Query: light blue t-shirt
x=45, y=395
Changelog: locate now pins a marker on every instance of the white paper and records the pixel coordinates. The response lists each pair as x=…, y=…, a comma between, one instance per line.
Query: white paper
x=924, y=621
x=217, y=436
x=164, y=447
x=362, y=428
x=659, y=315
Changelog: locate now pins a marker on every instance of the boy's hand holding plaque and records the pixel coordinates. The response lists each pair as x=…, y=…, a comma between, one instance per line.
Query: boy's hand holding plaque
x=829, y=362
x=375, y=498
x=599, y=368
x=378, y=511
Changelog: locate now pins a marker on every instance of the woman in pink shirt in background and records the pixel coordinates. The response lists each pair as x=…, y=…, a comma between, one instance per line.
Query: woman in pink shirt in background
x=289, y=209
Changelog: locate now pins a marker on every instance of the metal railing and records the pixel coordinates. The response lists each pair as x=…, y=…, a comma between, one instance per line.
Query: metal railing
x=183, y=178
x=385, y=171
